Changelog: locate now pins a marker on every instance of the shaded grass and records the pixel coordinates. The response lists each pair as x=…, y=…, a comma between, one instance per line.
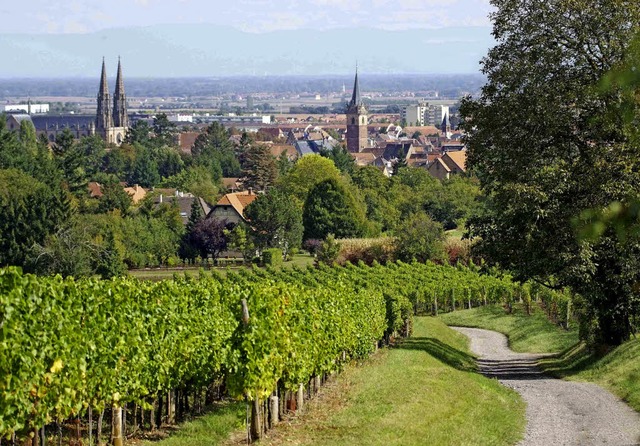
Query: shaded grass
x=423, y=392
x=527, y=334
x=617, y=370
x=207, y=430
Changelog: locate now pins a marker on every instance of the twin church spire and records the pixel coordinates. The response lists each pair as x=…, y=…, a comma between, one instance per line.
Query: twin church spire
x=108, y=116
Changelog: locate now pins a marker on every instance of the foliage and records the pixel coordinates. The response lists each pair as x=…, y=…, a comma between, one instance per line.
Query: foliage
x=29, y=212
x=214, y=150
x=341, y=158
x=272, y=257
x=276, y=221
x=308, y=171
x=329, y=251
x=368, y=251
x=568, y=153
x=209, y=238
x=312, y=246
x=420, y=238
x=259, y=168
x=331, y=209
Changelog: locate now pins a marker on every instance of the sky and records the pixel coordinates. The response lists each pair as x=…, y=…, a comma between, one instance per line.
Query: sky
x=84, y=16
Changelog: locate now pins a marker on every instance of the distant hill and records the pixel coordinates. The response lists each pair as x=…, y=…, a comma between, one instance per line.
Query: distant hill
x=209, y=50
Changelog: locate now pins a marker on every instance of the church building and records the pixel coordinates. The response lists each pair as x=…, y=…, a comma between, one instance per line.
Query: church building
x=357, y=121
x=111, y=121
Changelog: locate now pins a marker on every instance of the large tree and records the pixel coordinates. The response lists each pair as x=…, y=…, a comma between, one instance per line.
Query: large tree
x=259, y=167
x=331, y=209
x=275, y=221
x=547, y=144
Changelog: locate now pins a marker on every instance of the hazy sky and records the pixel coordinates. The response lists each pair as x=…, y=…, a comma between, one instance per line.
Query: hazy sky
x=81, y=16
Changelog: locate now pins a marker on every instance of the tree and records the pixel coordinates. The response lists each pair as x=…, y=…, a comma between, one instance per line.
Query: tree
x=209, y=237
x=276, y=221
x=144, y=170
x=420, y=238
x=188, y=250
x=29, y=212
x=214, y=149
x=164, y=131
x=308, y=171
x=259, y=168
x=341, y=158
x=567, y=154
x=114, y=197
x=331, y=209
x=140, y=133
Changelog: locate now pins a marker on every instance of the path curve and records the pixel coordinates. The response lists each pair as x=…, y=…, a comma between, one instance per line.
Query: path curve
x=559, y=413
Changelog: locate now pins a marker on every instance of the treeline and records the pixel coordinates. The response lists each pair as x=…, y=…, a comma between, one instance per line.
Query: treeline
x=73, y=349
x=53, y=225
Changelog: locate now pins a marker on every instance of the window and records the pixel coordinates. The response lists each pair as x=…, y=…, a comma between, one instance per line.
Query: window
x=353, y=121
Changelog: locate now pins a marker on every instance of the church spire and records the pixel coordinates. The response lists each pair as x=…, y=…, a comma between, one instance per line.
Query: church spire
x=103, y=113
x=120, y=117
x=355, y=97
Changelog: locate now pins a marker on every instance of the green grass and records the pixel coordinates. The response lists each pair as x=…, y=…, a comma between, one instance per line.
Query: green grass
x=425, y=391
x=531, y=334
x=208, y=430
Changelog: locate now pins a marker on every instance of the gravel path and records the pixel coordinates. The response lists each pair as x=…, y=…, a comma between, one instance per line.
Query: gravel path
x=559, y=413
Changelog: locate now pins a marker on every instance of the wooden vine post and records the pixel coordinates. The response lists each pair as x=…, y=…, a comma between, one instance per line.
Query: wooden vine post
x=117, y=438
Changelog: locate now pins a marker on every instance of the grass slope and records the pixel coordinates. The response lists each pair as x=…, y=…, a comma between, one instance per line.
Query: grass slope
x=530, y=334
x=617, y=370
x=208, y=430
x=424, y=391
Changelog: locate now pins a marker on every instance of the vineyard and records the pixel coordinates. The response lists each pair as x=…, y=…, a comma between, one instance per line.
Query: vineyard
x=141, y=354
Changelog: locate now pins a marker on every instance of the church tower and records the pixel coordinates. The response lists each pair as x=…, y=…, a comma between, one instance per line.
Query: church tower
x=120, y=117
x=445, y=127
x=104, y=119
x=357, y=121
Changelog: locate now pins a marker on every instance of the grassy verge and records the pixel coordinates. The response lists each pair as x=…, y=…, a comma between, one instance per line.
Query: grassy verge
x=208, y=430
x=531, y=334
x=422, y=392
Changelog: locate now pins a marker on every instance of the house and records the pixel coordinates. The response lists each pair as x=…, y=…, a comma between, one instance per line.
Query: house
x=95, y=189
x=451, y=163
x=231, y=207
x=136, y=193
x=182, y=200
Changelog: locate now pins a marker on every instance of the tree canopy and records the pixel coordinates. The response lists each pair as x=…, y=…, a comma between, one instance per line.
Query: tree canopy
x=547, y=144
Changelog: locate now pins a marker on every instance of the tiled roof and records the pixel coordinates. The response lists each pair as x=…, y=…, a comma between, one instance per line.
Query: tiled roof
x=239, y=201
x=458, y=159
x=49, y=122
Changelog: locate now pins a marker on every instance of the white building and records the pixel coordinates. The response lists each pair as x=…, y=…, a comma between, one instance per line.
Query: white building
x=27, y=108
x=423, y=113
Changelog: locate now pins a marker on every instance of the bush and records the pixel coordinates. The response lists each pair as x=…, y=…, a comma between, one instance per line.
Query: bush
x=329, y=251
x=381, y=250
x=272, y=257
x=312, y=246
